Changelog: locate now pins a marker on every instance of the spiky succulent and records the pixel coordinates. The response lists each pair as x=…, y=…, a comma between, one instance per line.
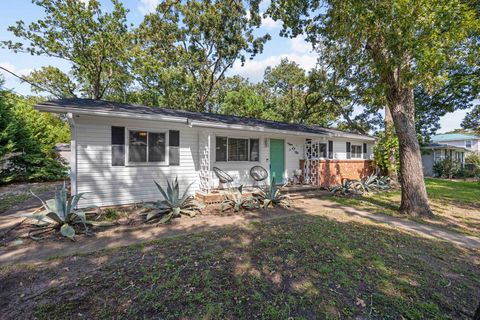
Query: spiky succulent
x=235, y=200
x=61, y=214
x=172, y=205
x=272, y=197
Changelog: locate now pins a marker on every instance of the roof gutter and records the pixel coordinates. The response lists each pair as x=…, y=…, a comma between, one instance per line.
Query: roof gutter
x=196, y=123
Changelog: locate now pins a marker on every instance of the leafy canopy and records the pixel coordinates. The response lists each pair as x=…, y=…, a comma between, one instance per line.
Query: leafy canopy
x=96, y=43
x=184, y=49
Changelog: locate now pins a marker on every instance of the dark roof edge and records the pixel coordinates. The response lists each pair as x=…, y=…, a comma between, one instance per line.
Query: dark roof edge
x=99, y=106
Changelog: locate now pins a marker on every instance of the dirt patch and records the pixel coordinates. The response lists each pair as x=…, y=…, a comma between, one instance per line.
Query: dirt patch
x=306, y=267
x=21, y=200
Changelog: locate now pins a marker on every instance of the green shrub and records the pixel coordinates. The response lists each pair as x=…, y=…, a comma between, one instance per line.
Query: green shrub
x=446, y=168
x=27, y=139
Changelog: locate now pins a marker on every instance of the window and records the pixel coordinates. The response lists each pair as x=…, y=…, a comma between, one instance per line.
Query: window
x=323, y=150
x=315, y=150
x=356, y=151
x=146, y=146
x=468, y=143
x=237, y=149
x=254, y=150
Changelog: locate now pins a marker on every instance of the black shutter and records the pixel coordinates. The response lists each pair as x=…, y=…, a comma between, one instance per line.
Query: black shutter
x=364, y=151
x=174, y=147
x=348, y=151
x=330, y=149
x=118, y=146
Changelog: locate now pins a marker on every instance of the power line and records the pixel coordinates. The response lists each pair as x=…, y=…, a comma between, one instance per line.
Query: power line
x=30, y=82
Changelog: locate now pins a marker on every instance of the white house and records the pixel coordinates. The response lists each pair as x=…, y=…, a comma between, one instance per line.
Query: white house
x=468, y=141
x=117, y=150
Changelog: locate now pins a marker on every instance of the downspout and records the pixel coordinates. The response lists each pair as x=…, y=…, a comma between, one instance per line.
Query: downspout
x=73, y=153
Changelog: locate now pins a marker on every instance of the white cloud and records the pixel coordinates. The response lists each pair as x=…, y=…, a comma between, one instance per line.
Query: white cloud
x=269, y=23
x=298, y=44
x=148, y=6
x=254, y=69
x=85, y=1
x=12, y=68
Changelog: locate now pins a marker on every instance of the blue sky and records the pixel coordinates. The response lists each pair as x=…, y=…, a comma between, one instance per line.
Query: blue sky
x=278, y=48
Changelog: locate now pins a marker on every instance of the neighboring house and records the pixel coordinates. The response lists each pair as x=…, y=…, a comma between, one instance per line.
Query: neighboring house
x=468, y=141
x=437, y=151
x=118, y=149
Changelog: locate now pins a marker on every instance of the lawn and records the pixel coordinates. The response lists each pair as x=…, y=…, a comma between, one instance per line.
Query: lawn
x=299, y=267
x=456, y=204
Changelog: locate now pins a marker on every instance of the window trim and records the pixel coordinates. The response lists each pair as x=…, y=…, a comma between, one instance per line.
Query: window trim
x=248, y=146
x=143, y=164
x=353, y=154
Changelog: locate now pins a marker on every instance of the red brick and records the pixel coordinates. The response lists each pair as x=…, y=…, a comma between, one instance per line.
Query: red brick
x=333, y=171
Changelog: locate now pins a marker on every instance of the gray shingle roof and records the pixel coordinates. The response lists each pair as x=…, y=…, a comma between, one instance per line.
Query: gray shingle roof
x=115, y=107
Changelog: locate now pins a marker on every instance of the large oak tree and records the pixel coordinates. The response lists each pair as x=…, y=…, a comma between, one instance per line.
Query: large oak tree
x=185, y=48
x=94, y=42
x=403, y=44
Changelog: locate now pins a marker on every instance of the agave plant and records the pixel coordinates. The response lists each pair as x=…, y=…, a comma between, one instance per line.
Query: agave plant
x=347, y=187
x=60, y=214
x=272, y=196
x=172, y=205
x=235, y=200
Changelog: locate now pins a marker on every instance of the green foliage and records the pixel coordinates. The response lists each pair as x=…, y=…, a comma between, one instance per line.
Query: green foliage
x=472, y=165
x=384, y=145
x=173, y=205
x=235, y=200
x=184, y=49
x=272, y=196
x=371, y=183
x=54, y=80
x=447, y=168
x=96, y=43
x=472, y=120
x=27, y=139
x=61, y=212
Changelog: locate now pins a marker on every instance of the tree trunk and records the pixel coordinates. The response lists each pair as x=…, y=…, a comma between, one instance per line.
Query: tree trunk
x=414, y=194
x=389, y=135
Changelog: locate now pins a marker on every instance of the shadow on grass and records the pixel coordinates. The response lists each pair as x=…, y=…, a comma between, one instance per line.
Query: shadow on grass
x=294, y=265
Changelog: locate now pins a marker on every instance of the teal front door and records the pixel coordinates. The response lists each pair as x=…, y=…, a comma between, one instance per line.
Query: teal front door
x=277, y=160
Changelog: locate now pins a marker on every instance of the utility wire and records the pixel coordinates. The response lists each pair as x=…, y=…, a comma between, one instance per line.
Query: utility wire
x=30, y=82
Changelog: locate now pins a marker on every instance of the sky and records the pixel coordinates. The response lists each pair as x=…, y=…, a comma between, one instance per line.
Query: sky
x=294, y=49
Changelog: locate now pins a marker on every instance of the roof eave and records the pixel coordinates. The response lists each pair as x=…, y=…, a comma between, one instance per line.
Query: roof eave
x=198, y=123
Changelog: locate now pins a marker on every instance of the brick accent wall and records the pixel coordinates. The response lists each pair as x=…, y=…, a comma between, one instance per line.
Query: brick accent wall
x=333, y=171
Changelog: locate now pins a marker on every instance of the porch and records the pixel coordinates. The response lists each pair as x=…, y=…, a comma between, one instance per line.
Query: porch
x=295, y=192
x=299, y=165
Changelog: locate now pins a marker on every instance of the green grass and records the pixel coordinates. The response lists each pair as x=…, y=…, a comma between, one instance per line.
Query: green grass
x=467, y=192
x=299, y=267
x=456, y=204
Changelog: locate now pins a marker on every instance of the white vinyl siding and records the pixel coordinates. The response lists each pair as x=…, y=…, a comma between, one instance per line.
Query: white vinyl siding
x=107, y=184
x=133, y=183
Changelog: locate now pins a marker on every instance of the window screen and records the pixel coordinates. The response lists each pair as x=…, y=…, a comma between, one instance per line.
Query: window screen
x=221, y=149
x=156, y=147
x=137, y=146
x=254, y=150
x=237, y=149
x=146, y=146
